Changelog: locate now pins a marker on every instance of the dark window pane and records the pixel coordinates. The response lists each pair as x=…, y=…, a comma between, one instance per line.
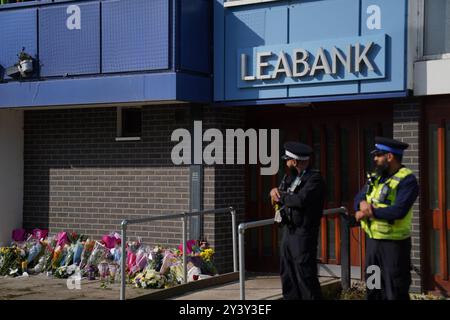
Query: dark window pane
x=254, y=240
x=437, y=26
x=131, y=122
x=433, y=166
x=303, y=135
x=387, y=130
x=345, y=195
x=331, y=144
x=331, y=239
x=253, y=185
x=316, y=147
x=266, y=188
x=369, y=143
x=282, y=169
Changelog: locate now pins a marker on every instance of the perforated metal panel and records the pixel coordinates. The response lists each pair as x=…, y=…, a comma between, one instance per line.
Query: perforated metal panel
x=17, y=30
x=135, y=35
x=68, y=50
x=195, y=32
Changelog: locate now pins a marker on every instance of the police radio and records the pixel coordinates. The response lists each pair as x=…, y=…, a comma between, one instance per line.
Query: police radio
x=282, y=213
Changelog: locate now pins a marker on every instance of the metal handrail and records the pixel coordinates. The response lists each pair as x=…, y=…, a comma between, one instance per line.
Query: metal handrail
x=183, y=217
x=345, y=246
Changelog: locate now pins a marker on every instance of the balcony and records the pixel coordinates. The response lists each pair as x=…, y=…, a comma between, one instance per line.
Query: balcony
x=106, y=52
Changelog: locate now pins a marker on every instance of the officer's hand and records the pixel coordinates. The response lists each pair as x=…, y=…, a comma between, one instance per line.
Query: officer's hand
x=366, y=208
x=359, y=215
x=275, y=194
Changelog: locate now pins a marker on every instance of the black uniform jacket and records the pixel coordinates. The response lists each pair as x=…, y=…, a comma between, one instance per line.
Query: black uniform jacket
x=307, y=202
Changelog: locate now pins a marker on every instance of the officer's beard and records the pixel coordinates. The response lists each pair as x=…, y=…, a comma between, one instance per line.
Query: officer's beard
x=293, y=172
x=382, y=170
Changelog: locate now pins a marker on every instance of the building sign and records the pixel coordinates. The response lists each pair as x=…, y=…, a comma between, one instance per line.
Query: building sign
x=314, y=48
x=350, y=59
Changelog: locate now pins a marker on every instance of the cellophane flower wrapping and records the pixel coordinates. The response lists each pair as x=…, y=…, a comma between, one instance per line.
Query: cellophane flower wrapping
x=169, y=260
x=156, y=258
x=87, y=251
x=98, y=254
x=77, y=252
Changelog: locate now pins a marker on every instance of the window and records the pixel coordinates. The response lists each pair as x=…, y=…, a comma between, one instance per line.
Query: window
x=436, y=27
x=129, y=124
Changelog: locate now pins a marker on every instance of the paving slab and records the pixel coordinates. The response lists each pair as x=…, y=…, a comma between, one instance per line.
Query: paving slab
x=43, y=287
x=256, y=288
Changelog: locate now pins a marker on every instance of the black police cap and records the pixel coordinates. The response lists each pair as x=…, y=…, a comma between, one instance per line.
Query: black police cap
x=386, y=145
x=297, y=151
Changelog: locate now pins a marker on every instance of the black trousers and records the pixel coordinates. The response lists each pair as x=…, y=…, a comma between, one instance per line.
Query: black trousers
x=393, y=259
x=299, y=266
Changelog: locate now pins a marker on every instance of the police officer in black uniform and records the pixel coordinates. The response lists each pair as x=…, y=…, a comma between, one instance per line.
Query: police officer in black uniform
x=301, y=207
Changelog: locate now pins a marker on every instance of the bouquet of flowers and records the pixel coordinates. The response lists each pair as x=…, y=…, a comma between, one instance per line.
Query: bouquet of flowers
x=141, y=261
x=98, y=254
x=191, y=246
x=74, y=237
x=35, y=252
x=62, y=239
x=57, y=258
x=19, y=235
x=169, y=260
x=39, y=234
x=208, y=266
x=10, y=261
x=69, y=256
x=64, y=272
x=87, y=251
x=156, y=258
x=45, y=261
x=132, y=250
x=150, y=279
x=112, y=240
x=176, y=272
x=77, y=252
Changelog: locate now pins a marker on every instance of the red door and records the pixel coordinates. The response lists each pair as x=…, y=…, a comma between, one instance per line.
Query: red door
x=437, y=204
x=338, y=137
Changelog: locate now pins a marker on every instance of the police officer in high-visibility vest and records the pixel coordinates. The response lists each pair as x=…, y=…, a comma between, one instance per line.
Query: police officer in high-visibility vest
x=384, y=209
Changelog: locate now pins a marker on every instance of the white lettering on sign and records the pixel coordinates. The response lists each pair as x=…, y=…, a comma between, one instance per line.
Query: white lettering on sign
x=74, y=20
x=352, y=59
x=374, y=20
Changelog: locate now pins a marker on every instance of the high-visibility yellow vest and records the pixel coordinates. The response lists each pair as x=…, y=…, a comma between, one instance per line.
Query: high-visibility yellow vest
x=382, y=195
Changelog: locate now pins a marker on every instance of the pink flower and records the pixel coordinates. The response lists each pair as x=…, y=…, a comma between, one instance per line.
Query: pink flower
x=62, y=239
x=40, y=234
x=189, y=245
x=18, y=235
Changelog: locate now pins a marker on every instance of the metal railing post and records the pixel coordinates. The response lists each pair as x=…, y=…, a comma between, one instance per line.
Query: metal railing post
x=123, y=264
x=184, y=216
x=183, y=221
x=233, y=232
x=241, y=261
x=345, y=250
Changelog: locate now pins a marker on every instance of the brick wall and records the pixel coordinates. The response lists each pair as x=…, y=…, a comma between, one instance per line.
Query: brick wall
x=224, y=186
x=407, y=123
x=78, y=178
